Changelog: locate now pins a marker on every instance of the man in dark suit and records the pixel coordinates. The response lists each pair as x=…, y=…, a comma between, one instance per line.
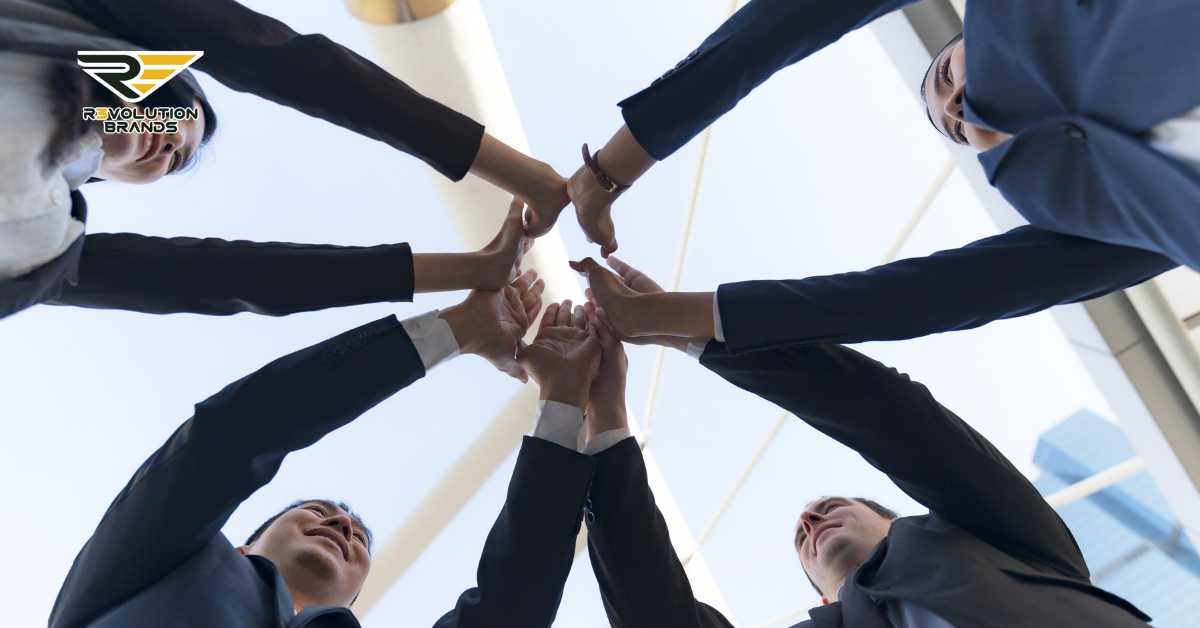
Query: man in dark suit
x=991, y=551
x=252, y=53
x=1086, y=115
x=158, y=557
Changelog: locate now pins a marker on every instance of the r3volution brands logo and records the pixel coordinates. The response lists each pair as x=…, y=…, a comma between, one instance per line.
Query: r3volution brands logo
x=133, y=76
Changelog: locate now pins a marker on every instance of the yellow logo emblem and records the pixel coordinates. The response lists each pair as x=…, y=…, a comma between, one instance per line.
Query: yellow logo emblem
x=134, y=75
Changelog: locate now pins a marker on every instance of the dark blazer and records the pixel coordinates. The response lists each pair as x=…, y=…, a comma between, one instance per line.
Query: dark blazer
x=158, y=557
x=1079, y=84
x=253, y=53
x=991, y=551
x=531, y=547
x=642, y=583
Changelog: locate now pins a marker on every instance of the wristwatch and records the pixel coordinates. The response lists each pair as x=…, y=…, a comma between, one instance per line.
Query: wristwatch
x=606, y=182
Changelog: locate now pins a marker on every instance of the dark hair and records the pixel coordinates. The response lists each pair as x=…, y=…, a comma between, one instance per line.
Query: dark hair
x=877, y=508
x=924, y=78
x=73, y=91
x=325, y=502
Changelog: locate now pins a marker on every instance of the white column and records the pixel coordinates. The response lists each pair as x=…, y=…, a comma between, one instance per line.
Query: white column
x=449, y=55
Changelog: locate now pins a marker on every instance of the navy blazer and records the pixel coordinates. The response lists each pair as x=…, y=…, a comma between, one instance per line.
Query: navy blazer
x=1078, y=84
x=158, y=557
x=989, y=539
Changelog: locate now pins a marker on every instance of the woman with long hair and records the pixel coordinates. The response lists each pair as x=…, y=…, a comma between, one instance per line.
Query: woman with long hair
x=49, y=151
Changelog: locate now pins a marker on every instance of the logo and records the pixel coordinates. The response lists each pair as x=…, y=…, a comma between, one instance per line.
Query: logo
x=133, y=75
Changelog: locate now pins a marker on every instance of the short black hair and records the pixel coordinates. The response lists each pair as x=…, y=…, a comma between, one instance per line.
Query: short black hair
x=877, y=508
x=924, y=77
x=325, y=502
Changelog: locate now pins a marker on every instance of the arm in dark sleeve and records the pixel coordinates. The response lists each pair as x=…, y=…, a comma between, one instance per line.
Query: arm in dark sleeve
x=641, y=579
x=531, y=547
x=763, y=37
x=897, y=426
x=251, y=52
x=1019, y=272
x=210, y=276
x=180, y=497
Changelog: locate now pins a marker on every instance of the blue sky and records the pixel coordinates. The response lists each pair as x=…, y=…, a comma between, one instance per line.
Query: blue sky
x=816, y=172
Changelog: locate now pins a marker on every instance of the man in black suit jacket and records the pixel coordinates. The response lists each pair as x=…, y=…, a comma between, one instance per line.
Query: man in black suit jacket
x=158, y=557
x=991, y=551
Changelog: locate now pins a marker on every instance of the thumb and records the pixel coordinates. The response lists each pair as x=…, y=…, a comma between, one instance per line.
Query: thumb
x=585, y=266
x=534, y=225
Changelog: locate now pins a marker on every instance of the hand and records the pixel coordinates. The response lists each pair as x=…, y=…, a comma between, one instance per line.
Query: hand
x=500, y=259
x=624, y=160
x=632, y=281
x=491, y=323
x=546, y=201
x=606, y=399
x=593, y=209
x=565, y=356
x=609, y=292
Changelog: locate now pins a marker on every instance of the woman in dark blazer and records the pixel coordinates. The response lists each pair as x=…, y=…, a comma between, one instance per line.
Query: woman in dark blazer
x=46, y=258
x=1087, y=119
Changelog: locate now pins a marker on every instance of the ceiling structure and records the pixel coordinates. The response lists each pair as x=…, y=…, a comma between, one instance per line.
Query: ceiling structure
x=828, y=167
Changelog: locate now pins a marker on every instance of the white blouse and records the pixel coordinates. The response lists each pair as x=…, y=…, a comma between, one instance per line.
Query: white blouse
x=35, y=202
x=1180, y=138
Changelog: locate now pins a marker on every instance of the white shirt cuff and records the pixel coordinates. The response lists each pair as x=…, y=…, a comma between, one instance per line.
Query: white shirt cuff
x=604, y=440
x=432, y=337
x=559, y=423
x=718, y=330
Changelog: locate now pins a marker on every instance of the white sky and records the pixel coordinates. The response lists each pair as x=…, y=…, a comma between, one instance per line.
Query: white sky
x=815, y=173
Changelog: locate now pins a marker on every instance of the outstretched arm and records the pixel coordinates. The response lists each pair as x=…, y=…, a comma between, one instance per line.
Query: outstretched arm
x=531, y=547
x=212, y=276
x=897, y=426
x=763, y=37
x=1019, y=272
x=184, y=493
x=255, y=53
x=641, y=579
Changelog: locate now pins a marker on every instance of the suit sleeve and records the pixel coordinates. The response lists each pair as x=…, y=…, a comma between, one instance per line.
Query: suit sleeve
x=763, y=37
x=211, y=276
x=251, y=52
x=897, y=426
x=180, y=497
x=531, y=547
x=641, y=579
x=1019, y=272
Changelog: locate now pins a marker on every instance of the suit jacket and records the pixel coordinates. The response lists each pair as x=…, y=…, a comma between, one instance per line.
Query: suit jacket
x=1079, y=85
x=253, y=53
x=642, y=582
x=530, y=549
x=989, y=538
x=158, y=557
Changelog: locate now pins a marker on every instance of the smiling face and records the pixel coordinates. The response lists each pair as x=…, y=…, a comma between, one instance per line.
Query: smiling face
x=944, y=89
x=148, y=157
x=321, y=551
x=835, y=535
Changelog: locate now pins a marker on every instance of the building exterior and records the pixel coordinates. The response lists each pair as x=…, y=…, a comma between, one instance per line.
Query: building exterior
x=1133, y=544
